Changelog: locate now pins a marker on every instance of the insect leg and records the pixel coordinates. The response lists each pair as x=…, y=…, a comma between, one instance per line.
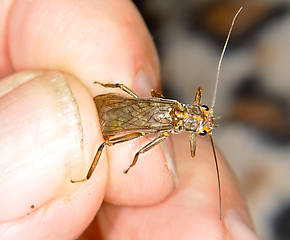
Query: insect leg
x=192, y=141
x=154, y=93
x=147, y=147
x=109, y=142
x=197, y=98
x=118, y=85
x=93, y=165
x=125, y=138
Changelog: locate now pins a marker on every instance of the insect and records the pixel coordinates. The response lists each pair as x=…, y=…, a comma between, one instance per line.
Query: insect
x=124, y=118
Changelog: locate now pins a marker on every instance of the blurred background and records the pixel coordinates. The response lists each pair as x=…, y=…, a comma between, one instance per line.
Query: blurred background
x=253, y=97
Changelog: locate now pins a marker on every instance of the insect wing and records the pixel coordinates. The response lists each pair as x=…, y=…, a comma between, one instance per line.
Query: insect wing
x=120, y=114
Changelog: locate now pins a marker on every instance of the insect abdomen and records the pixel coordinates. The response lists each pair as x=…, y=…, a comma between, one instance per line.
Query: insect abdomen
x=122, y=114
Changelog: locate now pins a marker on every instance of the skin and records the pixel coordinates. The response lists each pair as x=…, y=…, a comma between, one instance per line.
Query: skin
x=105, y=41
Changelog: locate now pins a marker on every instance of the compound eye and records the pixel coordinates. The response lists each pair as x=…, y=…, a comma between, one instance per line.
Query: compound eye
x=203, y=133
x=205, y=107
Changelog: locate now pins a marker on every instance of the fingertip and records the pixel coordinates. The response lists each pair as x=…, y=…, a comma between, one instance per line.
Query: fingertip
x=148, y=182
x=65, y=217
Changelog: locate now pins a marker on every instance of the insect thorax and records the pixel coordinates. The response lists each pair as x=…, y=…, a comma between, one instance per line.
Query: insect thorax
x=191, y=118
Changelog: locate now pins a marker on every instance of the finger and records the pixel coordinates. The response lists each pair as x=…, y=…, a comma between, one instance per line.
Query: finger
x=97, y=40
x=94, y=40
x=192, y=211
x=44, y=125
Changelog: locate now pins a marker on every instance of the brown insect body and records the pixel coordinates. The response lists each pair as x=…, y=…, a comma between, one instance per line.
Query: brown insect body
x=119, y=114
x=124, y=118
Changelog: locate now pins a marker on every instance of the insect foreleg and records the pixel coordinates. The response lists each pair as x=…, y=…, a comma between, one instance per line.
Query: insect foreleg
x=147, y=147
x=118, y=85
x=197, y=98
x=192, y=141
x=109, y=142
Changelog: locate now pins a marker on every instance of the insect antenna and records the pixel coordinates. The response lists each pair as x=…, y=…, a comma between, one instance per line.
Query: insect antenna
x=221, y=58
x=218, y=174
x=212, y=107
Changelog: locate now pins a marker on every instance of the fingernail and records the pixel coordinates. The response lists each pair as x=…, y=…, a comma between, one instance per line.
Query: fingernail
x=143, y=84
x=238, y=228
x=11, y=82
x=167, y=149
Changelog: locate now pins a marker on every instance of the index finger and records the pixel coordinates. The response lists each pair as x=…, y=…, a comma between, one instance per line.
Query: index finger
x=95, y=40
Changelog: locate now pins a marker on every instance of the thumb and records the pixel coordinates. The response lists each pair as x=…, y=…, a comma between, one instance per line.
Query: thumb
x=45, y=138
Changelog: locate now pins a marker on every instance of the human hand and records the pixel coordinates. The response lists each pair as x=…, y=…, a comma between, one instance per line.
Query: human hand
x=50, y=132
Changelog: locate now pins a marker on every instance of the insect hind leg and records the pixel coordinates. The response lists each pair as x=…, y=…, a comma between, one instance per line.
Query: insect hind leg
x=146, y=148
x=93, y=165
x=118, y=85
x=109, y=142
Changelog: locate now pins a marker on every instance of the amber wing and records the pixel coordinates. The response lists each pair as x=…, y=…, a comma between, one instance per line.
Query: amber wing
x=119, y=114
